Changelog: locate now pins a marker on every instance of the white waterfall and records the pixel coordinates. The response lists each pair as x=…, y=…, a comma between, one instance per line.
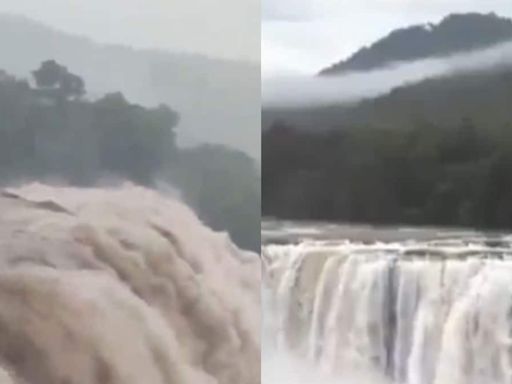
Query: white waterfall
x=437, y=312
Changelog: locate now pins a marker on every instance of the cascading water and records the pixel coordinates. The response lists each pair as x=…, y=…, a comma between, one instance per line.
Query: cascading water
x=420, y=312
x=122, y=286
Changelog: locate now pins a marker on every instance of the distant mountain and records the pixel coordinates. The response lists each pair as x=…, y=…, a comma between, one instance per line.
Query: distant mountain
x=456, y=33
x=215, y=98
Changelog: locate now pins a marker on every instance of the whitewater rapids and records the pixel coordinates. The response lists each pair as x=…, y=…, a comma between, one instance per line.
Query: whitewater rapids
x=433, y=312
x=122, y=286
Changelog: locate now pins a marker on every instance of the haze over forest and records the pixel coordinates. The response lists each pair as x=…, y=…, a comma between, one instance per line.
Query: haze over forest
x=215, y=97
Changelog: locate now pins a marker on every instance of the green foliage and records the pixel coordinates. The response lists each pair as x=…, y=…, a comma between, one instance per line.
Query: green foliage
x=141, y=153
x=224, y=185
x=79, y=141
x=55, y=79
x=425, y=174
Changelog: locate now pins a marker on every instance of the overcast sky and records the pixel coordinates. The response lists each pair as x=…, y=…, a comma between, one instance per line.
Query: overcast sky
x=221, y=28
x=303, y=36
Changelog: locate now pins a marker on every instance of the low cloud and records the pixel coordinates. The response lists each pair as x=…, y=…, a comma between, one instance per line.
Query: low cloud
x=297, y=91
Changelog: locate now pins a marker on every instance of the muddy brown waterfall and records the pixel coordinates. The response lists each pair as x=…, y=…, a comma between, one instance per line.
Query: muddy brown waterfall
x=123, y=286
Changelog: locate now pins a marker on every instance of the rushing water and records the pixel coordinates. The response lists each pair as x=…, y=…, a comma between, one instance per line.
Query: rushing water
x=370, y=306
x=122, y=286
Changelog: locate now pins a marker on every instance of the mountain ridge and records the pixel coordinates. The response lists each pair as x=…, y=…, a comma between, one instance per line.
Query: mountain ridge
x=455, y=33
x=33, y=23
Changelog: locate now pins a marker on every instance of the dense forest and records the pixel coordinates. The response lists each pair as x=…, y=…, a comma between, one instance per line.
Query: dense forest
x=438, y=152
x=423, y=174
x=51, y=130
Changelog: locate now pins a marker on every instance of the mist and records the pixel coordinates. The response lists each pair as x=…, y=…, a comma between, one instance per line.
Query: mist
x=304, y=91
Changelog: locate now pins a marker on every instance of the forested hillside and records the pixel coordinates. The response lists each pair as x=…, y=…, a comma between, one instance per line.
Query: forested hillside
x=420, y=174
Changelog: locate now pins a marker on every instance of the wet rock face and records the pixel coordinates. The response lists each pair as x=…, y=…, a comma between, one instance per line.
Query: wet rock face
x=122, y=286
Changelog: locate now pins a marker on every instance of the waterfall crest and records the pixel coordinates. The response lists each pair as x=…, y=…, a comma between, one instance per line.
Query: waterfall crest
x=432, y=312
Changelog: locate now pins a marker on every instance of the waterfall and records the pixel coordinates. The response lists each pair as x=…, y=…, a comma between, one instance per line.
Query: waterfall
x=431, y=312
x=122, y=286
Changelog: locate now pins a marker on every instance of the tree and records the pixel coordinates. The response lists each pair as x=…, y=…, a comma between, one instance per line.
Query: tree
x=53, y=76
x=72, y=86
x=49, y=74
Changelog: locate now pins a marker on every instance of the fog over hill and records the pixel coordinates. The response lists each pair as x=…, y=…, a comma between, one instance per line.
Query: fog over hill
x=375, y=95
x=321, y=103
x=215, y=97
x=303, y=91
